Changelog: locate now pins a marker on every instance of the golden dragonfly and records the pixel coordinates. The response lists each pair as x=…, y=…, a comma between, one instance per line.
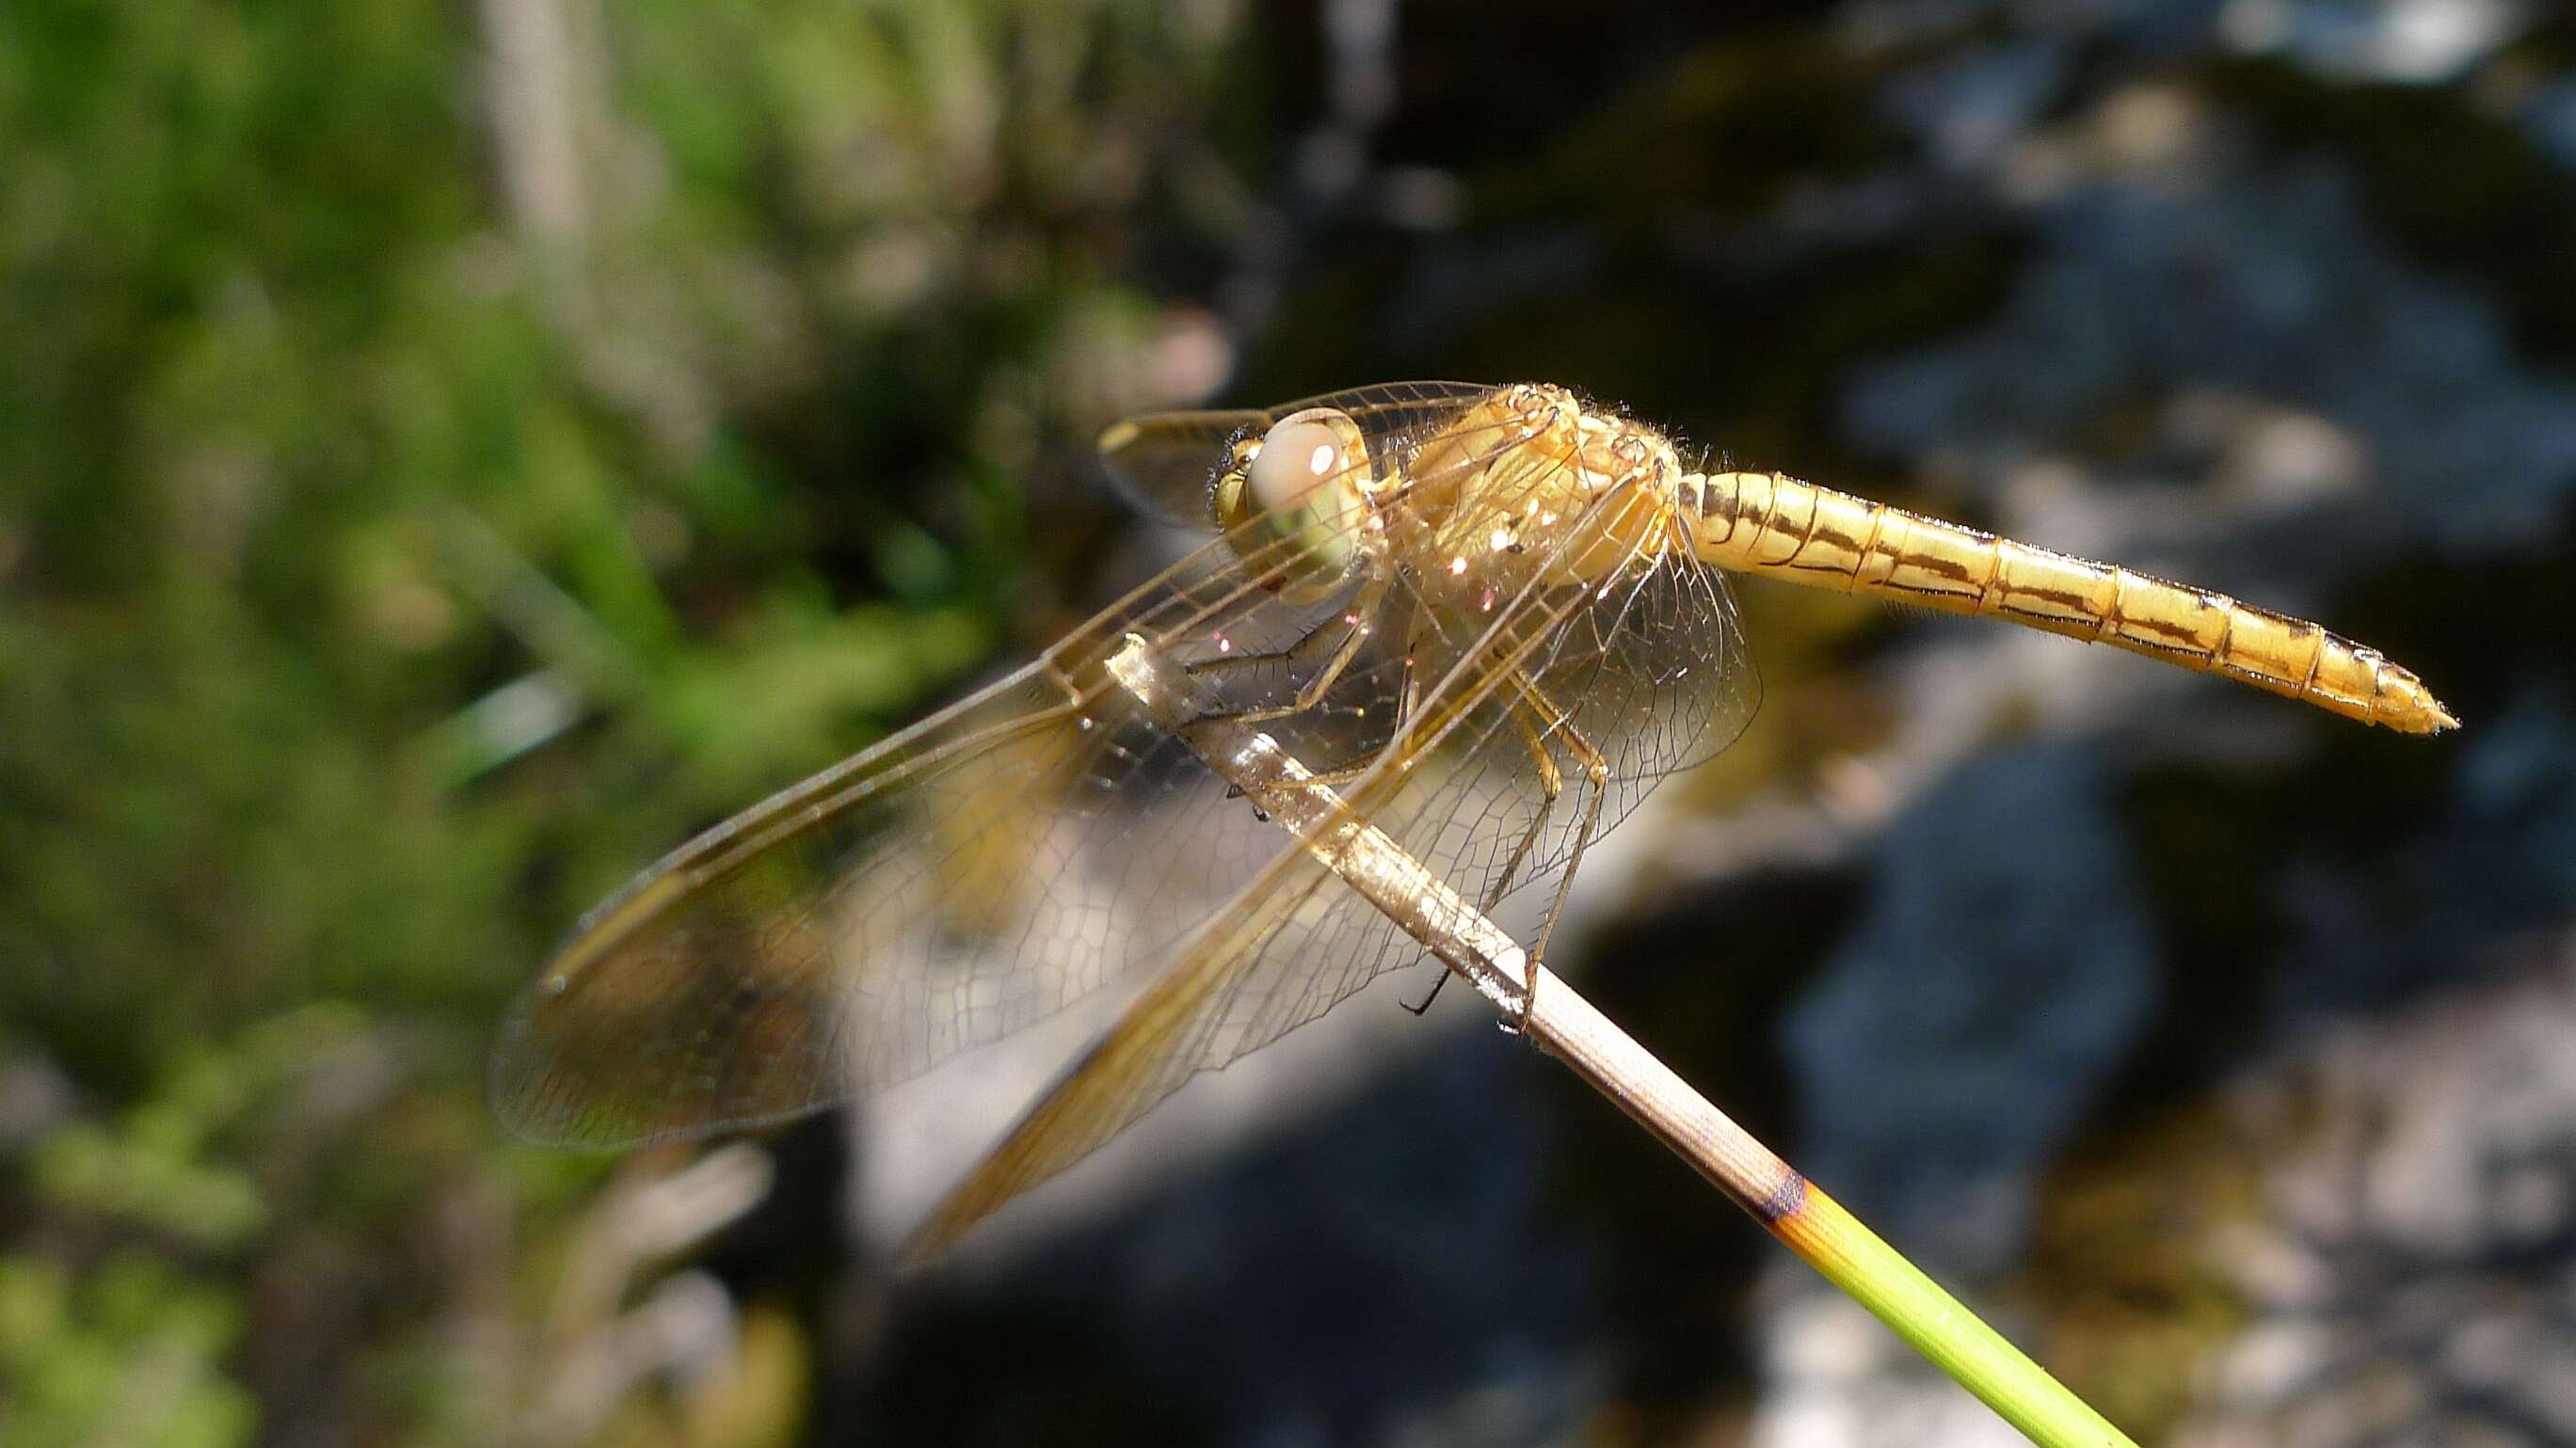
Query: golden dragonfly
x=1487, y=619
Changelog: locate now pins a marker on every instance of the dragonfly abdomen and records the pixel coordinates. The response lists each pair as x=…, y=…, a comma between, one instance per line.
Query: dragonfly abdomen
x=1770, y=524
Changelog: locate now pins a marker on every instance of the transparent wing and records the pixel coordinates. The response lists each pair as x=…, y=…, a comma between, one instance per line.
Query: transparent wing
x=1643, y=670
x=1217, y=988
x=1640, y=672
x=957, y=882
x=1164, y=460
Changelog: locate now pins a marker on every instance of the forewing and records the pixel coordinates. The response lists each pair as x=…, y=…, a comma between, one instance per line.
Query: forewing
x=964, y=879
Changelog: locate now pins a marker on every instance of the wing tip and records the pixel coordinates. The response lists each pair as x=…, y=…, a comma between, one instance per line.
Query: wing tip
x=536, y=1094
x=1118, y=436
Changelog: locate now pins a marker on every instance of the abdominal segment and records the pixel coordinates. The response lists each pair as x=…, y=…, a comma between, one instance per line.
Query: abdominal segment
x=1778, y=526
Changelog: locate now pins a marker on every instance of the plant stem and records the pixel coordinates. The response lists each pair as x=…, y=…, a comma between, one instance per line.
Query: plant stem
x=1813, y=1225
x=1564, y=1024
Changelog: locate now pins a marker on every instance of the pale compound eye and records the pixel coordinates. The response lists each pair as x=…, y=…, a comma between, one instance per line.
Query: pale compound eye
x=1301, y=453
x=1308, y=487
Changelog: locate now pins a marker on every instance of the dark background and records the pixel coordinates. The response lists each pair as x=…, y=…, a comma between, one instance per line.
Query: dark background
x=449, y=451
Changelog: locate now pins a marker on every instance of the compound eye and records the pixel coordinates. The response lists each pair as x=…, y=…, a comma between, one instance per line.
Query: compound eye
x=1303, y=452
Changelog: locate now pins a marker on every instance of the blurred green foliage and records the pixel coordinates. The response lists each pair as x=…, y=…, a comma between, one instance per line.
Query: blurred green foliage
x=445, y=461
x=128, y=1355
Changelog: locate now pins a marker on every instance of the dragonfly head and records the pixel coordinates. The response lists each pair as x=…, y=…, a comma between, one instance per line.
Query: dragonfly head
x=1305, y=481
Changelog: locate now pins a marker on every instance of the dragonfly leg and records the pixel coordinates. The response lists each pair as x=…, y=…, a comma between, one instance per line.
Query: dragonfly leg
x=1551, y=784
x=1559, y=724
x=1354, y=634
x=1551, y=787
x=1339, y=774
x=1307, y=645
x=1428, y=996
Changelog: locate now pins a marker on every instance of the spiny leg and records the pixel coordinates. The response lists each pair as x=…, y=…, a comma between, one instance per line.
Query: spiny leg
x=1354, y=635
x=1551, y=786
x=1308, y=644
x=1596, y=768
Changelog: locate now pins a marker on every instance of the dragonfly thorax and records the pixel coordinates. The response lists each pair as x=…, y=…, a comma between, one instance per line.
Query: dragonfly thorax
x=1530, y=485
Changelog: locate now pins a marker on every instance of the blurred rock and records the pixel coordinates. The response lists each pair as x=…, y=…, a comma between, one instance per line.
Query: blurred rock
x=1997, y=974
x=2434, y=1177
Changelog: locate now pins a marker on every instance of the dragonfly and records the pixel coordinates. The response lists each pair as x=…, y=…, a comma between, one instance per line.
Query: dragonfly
x=1484, y=620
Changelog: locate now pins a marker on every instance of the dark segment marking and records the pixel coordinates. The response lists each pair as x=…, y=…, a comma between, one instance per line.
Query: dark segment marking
x=2182, y=634
x=1926, y=561
x=2186, y=654
x=2074, y=602
x=1835, y=537
x=1906, y=591
x=1706, y=507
